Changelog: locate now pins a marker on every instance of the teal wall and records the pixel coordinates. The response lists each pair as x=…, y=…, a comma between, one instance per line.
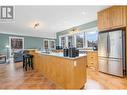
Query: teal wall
x=37, y=42
x=29, y=42
x=81, y=27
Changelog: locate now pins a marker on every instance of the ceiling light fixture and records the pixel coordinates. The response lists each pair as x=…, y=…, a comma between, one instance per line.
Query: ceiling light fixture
x=36, y=25
x=74, y=30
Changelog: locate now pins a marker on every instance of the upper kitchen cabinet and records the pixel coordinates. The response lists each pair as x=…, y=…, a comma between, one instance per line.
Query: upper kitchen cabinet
x=103, y=20
x=118, y=14
x=111, y=18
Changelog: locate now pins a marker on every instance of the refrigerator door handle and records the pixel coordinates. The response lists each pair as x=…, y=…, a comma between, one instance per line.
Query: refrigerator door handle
x=107, y=45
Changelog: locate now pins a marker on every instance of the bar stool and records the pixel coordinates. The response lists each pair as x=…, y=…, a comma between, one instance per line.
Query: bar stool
x=28, y=60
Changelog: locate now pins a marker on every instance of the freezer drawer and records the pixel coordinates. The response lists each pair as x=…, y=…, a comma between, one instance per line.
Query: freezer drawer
x=115, y=67
x=103, y=65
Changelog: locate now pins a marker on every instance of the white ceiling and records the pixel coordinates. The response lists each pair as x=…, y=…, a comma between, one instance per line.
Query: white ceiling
x=52, y=19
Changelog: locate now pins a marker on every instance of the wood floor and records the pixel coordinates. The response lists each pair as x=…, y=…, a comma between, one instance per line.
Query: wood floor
x=12, y=76
x=98, y=80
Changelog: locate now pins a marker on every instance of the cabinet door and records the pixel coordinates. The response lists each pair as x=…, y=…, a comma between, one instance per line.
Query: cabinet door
x=118, y=16
x=104, y=20
x=111, y=18
x=100, y=21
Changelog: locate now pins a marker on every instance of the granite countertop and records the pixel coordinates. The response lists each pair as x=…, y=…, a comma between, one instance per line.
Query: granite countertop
x=62, y=56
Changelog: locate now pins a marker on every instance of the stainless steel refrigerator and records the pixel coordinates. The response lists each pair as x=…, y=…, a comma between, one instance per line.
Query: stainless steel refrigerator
x=111, y=52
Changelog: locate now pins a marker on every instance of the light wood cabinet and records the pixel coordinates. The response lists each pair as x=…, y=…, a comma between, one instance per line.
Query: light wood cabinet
x=118, y=16
x=103, y=20
x=112, y=18
x=64, y=72
x=92, y=59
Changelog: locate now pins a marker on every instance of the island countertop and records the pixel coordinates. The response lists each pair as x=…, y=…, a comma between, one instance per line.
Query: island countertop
x=62, y=56
x=65, y=72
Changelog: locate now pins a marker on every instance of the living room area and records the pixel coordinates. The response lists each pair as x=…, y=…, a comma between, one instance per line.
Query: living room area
x=13, y=46
x=12, y=50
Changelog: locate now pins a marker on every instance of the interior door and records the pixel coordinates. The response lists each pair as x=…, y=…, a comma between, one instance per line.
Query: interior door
x=115, y=67
x=103, y=65
x=115, y=44
x=102, y=45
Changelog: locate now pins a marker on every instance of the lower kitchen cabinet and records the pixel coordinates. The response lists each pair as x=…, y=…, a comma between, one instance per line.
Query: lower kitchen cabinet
x=65, y=72
x=92, y=59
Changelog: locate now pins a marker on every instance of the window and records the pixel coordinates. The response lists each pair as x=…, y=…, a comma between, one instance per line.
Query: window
x=84, y=39
x=46, y=46
x=79, y=40
x=49, y=44
x=92, y=37
x=52, y=44
x=70, y=41
x=15, y=43
x=63, y=42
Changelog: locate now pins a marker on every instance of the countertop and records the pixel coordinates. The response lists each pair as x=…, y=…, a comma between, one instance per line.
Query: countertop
x=62, y=56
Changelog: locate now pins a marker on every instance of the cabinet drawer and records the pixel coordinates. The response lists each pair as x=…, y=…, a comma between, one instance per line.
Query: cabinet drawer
x=92, y=58
x=92, y=64
x=92, y=61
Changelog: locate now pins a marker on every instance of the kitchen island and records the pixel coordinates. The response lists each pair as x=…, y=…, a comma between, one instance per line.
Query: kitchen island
x=66, y=72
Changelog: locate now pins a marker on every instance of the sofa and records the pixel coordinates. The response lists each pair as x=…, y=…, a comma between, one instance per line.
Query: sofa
x=18, y=55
